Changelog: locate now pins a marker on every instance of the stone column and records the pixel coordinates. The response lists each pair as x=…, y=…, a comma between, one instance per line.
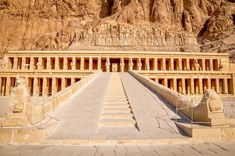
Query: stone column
x=147, y=64
x=217, y=86
x=187, y=64
x=233, y=79
x=35, y=86
x=211, y=65
x=225, y=86
x=62, y=83
x=183, y=86
x=8, y=86
x=65, y=65
x=53, y=86
x=166, y=82
x=48, y=63
x=131, y=64
x=172, y=63
x=155, y=64
x=15, y=63
x=24, y=65
x=31, y=63
x=139, y=64
x=90, y=63
x=82, y=63
x=175, y=84
x=163, y=63
x=200, y=86
x=56, y=63
x=107, y=64
x=122, y=64
x=73, y=63
x=209, y=83
x=180, y=63
x=99, y=63
x=72, y=80
x=44, y=87
x=203, y=65
x=39, y=64
x=156, y=79
x=192, y=85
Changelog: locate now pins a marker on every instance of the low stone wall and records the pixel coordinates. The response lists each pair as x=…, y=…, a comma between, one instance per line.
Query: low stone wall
x=200, y=113
x=40, y=111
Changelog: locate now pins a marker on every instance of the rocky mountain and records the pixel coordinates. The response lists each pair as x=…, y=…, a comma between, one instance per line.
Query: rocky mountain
x=172, y=25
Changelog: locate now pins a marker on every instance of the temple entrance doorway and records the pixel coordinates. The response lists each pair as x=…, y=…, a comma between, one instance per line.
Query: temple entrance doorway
x=115, y=65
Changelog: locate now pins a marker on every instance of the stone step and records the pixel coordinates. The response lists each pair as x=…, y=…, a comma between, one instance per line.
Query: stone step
x=116, y=110
x=116, y=102
x=117, y=106
x=116, y=115
x=117, y=123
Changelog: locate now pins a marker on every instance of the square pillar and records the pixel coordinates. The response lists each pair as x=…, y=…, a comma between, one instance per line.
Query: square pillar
x=217, y=86
x=192, y=85
x=99, y=63
x=53, y=86
x=131, y=64
x=90, y=63
x=155, y=64
x=24, y=65
x=65, y=65
x=211, y=65
x=107, y=65
x=200, y=86
x=35, y=87
x=44, y=87
x=183, y=86
x=82, y=63
x=187, y=64
x=209, y=83
x=163, y=63
x=73, y=64
x=156, y=79
x=175, y=84
x=147, y=64
x=203, y=65
x=48, y=64
x=31, y=63
x=56, y=63
x=0, y=86
x=39, y=64
x=8, y=86
x=165, y=82
x=225, y=86
x=62, y=83
x=15, y=63
x=233, y=79
x=139, y=64
x=172, y=64
x=122, y=64
x=180, y=64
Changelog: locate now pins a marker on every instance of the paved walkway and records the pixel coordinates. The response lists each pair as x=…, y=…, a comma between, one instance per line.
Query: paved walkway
x=205, y=149
x=79, y=118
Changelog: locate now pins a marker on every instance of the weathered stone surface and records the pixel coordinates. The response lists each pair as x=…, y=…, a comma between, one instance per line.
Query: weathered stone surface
x=75, y=24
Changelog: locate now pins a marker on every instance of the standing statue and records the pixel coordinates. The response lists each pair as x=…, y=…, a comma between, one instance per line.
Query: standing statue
x=20, y=96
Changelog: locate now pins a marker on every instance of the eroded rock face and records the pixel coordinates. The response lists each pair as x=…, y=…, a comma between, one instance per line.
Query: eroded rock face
x=77, y=24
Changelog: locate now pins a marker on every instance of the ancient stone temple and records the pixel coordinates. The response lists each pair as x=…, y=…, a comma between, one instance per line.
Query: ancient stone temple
x=48, y=72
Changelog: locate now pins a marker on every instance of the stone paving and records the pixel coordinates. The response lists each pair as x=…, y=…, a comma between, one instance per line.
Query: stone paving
x=201, y=149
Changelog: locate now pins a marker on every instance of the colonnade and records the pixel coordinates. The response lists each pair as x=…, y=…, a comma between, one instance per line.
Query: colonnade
x=105, y=63
x=38, y=86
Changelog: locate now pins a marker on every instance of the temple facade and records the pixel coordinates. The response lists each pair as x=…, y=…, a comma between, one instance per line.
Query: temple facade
x=48, y=72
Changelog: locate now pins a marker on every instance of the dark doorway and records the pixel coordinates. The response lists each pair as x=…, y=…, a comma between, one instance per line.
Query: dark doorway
x=115, y=65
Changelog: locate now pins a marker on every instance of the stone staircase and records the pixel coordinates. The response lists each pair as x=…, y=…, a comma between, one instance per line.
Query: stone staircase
x=116, y=111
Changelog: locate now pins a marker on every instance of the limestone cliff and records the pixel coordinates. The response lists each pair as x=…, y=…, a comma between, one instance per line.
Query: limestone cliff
x=185, y=25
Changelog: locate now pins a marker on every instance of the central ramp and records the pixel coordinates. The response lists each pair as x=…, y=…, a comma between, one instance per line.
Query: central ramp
x=115, y=106
x=116, y=111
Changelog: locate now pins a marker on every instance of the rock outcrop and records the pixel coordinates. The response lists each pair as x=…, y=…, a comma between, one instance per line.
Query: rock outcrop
x=142, y=24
